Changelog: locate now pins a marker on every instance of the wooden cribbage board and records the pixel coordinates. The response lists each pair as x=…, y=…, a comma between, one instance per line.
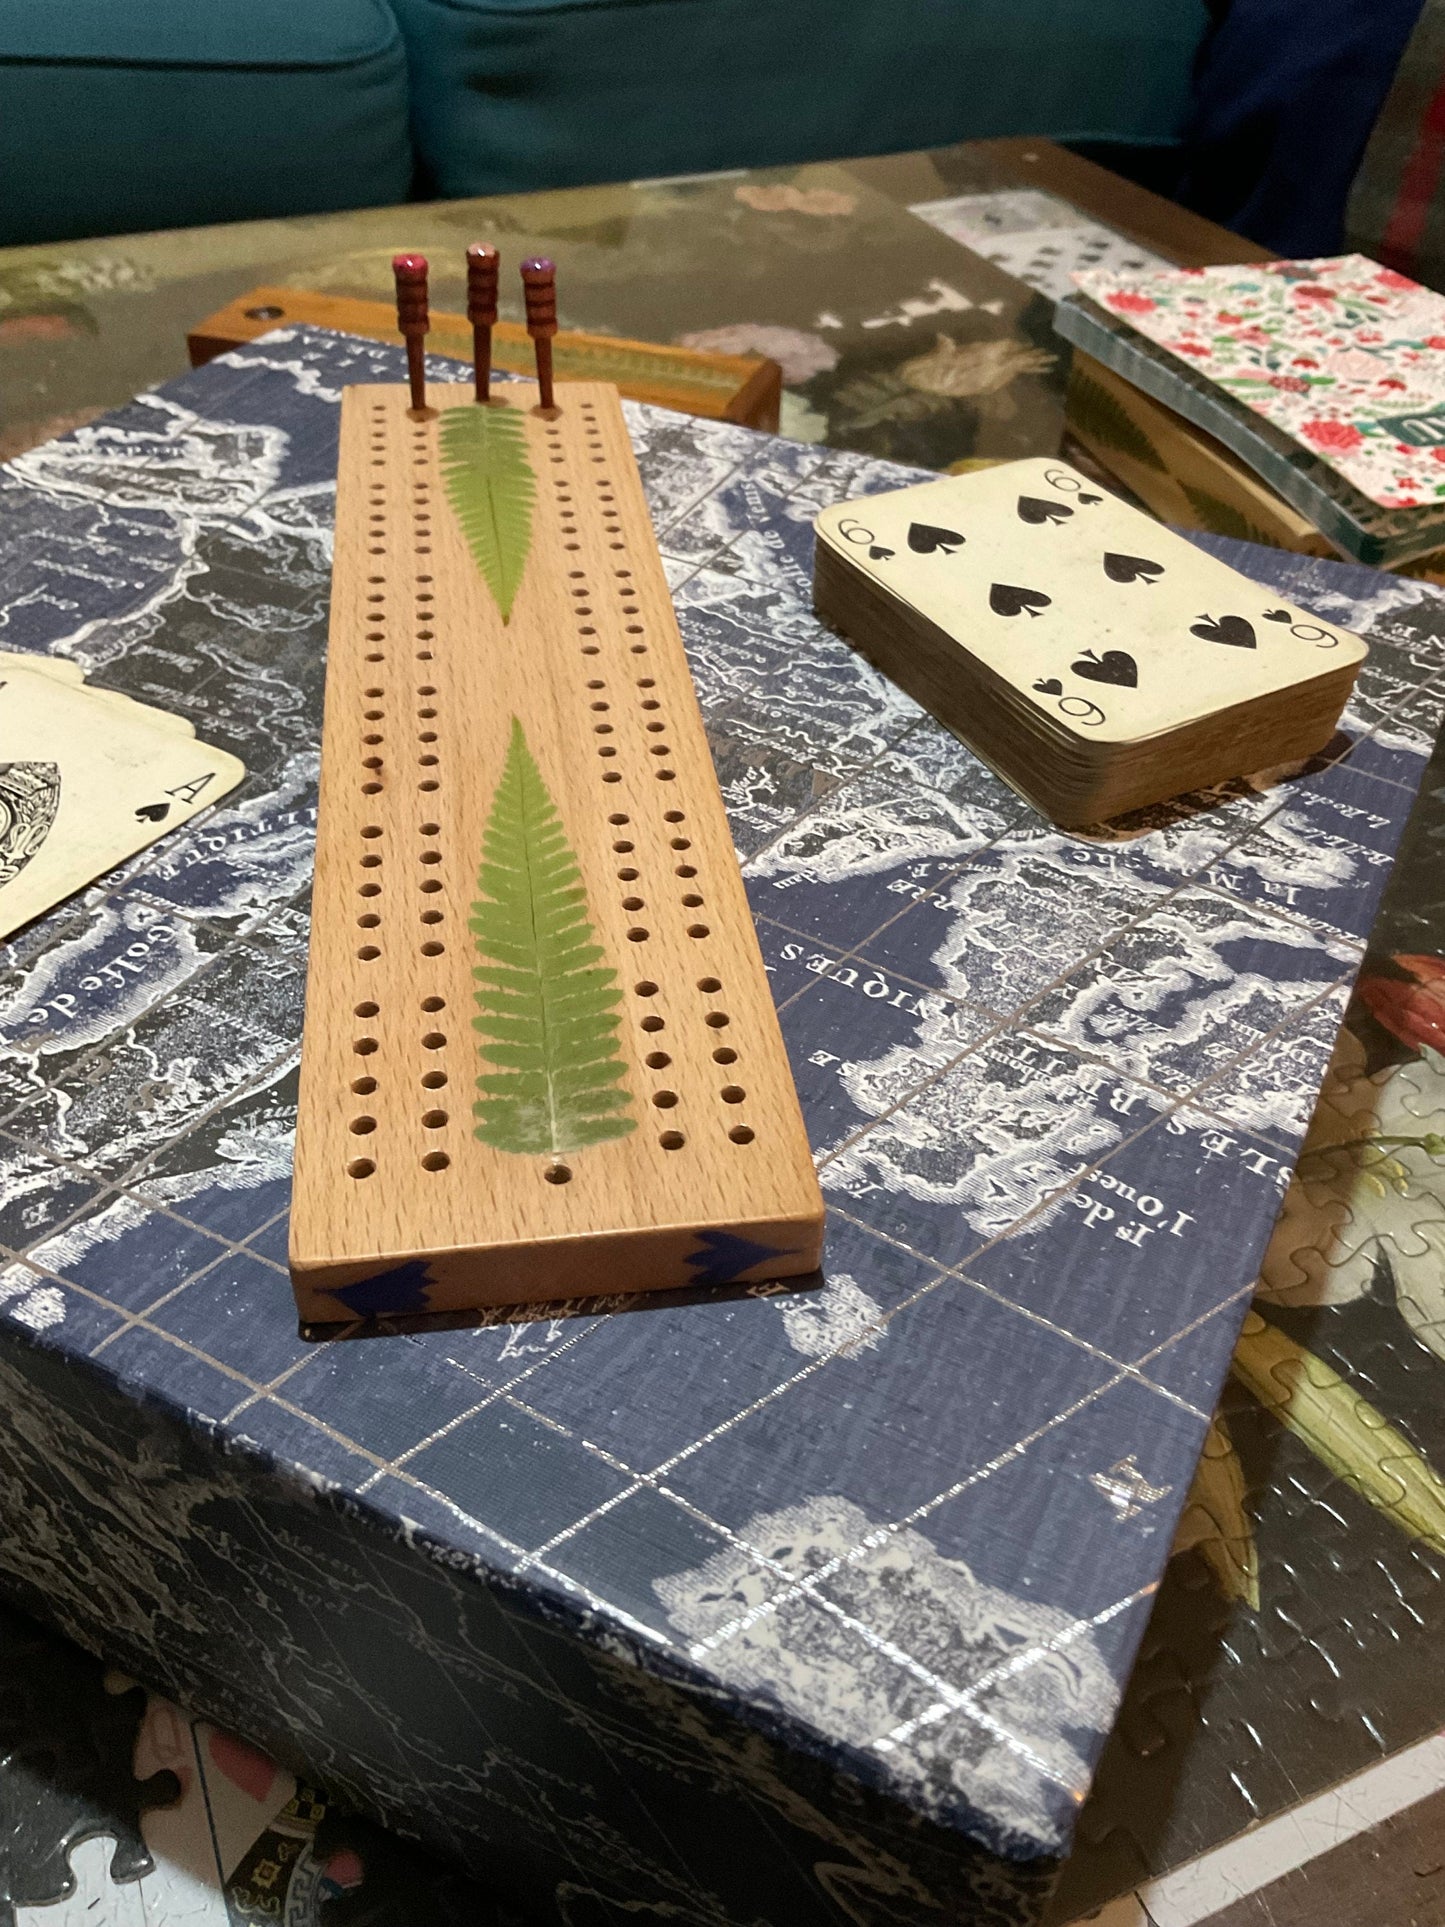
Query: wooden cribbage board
x=398, y=1206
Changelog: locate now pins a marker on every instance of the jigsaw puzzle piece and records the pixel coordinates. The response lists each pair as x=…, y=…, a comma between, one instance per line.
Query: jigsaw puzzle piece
x=1216, y=1518
x=1410, y=1005
x=1370, y=1187
x=95, y=1899
x=1348, y=1435
x=67, y=1747
x=399, y=1885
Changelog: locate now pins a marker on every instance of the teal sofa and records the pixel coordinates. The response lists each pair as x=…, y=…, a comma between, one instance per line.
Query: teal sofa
x=119, y=115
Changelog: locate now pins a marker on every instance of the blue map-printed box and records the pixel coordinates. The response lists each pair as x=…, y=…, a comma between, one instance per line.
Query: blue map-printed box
x=772, y=1608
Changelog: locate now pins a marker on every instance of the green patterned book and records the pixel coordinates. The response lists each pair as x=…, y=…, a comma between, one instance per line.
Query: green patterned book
x=1341, y=512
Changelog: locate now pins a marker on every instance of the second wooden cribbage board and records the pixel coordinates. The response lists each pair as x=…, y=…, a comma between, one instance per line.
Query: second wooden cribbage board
x=427, y=1176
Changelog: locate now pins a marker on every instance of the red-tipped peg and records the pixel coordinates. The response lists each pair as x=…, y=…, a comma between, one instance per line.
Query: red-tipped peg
x=412, y=319
x=482, y=265
x=539, y=286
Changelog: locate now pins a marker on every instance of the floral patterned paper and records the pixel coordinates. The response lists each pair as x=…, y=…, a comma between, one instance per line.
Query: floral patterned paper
x=1345, y=356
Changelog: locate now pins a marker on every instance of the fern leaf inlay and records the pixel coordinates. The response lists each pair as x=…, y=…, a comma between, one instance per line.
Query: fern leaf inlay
x=1097, y=413
x=1223, y=518
x=490, y=484
x=549, y=1008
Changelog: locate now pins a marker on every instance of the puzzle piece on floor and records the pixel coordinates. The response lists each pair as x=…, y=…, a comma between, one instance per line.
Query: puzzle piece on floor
x=1406, y=996
x=398, y=1885
x=66, y=1750
x=1163, y=1714
x=1333, y=1670
x=1361, y=1197
x=285, y=1853
x=1393, y=1369
x=1351, y=1437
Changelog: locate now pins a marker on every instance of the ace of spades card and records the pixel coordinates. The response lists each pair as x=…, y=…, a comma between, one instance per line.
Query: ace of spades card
x=1097, y=660
x=88, y=778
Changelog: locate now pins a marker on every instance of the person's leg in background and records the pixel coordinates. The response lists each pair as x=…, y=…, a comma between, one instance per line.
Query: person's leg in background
x=1286, y=93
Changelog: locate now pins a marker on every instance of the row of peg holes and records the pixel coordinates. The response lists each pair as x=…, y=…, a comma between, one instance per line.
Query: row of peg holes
x=626, y=588
x=431, y=886
x=433, y=1119
x=559, y=1173
x=692, y=899
x=681, y=844
x=653, y=725
x=666, y=1100
x=662, y=1099
x=363, y=1085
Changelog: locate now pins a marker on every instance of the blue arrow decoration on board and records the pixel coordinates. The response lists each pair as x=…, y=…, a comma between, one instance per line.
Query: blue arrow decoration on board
x=402, y=1288
x=721, y=1257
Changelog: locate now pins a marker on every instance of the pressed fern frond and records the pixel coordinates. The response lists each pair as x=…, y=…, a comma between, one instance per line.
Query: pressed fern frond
x=549, y=1010
x=1223, y=518
x=490, y=485
x=1097, y=415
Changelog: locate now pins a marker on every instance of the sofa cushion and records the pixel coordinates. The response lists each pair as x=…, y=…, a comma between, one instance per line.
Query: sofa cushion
x=124, y=114
x=515, y=94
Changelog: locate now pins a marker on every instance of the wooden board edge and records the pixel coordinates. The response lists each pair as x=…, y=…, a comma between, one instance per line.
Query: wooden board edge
x=746, y=389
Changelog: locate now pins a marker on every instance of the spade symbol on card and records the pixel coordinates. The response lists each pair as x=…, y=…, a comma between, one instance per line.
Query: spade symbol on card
x=1050, y=687
x=1234, y=630
x=1035, y=512
x=876, y=554
x=154, y=812
x=1113, y=666
x=1090, y=498
x=923, y=539
x=1005, y=600
x=1278, y=615
x=1131, y=568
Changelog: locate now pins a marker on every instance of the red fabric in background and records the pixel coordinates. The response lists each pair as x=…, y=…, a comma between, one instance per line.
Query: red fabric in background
x=1419, y=181
x=1286, y=94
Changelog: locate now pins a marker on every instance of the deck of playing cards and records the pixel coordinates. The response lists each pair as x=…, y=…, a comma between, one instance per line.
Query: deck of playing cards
x=1094, y=659
x=87, y=778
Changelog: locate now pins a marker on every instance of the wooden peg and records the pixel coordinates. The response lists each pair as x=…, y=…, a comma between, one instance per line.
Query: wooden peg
x=413, y=320
x=539, y=286
x=482, y=263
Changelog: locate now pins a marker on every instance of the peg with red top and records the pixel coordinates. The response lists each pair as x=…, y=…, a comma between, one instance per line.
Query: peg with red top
x=413, y=320
x=482, y=263
x=539, y=286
